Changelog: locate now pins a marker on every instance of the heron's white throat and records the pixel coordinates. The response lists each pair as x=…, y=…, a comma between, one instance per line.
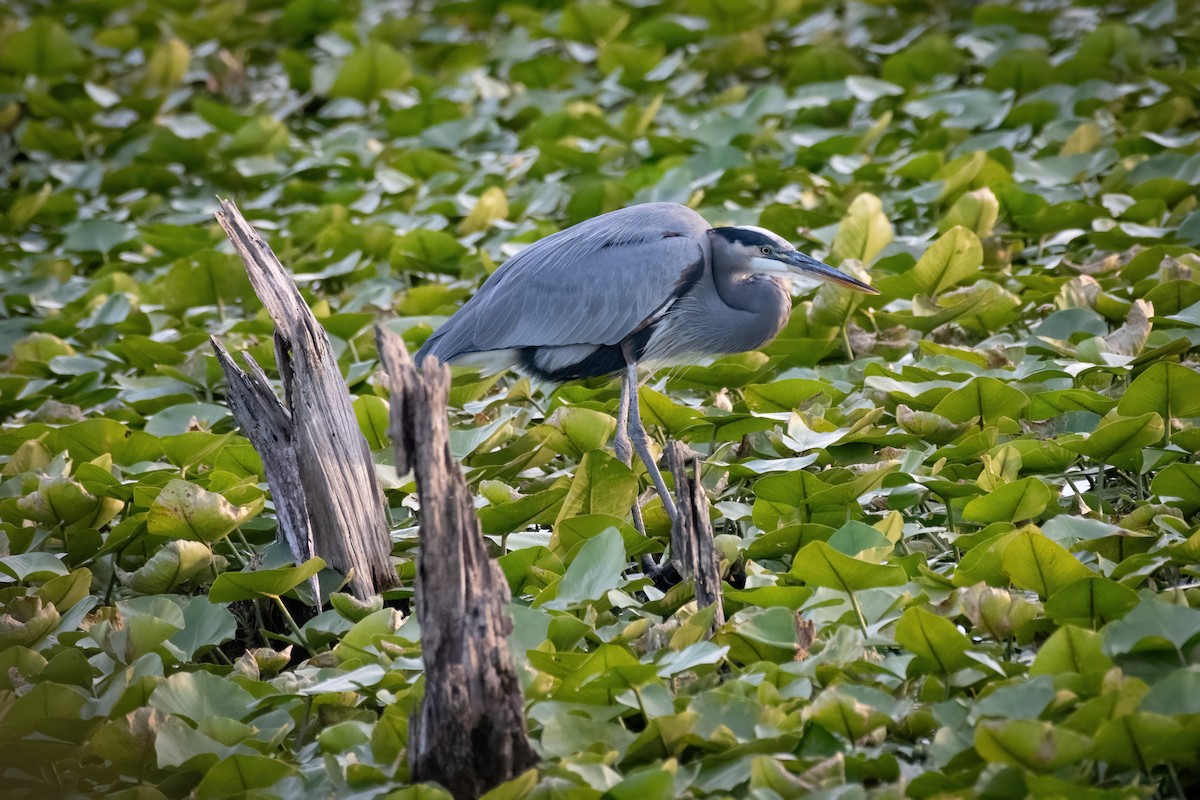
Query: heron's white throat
x=770, y=266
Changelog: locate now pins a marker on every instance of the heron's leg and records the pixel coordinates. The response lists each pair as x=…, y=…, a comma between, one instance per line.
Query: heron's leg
x=624, y=448
x=621, y=444
x=641, y=440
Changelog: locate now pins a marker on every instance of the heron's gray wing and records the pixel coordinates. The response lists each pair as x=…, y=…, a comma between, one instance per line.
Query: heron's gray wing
x=594, y=283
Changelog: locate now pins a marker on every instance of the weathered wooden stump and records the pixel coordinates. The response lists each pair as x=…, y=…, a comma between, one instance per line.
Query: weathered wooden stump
x=317, y=462
x=469, y=732
x=268, y=426
x=692, y=550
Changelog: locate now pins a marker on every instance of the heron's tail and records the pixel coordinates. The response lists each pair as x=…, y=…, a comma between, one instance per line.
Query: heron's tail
x=430, y=348
x=446, y=343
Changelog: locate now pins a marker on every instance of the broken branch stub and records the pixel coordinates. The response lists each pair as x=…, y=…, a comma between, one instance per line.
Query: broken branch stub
x=469, y=732
x=329, y=459
x=268, y=426
x=692, y=548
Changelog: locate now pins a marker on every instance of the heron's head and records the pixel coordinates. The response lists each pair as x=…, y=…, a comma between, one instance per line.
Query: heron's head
x=759, y=250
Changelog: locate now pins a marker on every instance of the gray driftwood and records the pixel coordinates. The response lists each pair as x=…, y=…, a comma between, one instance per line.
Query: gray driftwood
x=317, y=461
x=268, y=426
x=469, y=732
x=692, y=548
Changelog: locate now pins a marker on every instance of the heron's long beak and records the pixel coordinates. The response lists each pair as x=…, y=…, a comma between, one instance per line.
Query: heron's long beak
x=811, y=268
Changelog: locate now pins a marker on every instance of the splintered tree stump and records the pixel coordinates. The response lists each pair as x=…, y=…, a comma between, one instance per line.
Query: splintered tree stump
x=318, y=463
x=692, y=548
x=469, y=732
x=268, y=426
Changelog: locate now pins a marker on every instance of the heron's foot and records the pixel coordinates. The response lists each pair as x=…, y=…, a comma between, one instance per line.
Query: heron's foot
x=663, y=575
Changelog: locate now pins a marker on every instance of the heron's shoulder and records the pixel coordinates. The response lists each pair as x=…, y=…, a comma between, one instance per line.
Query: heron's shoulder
x=636, y=226
x=661, y=218
x=676, y=232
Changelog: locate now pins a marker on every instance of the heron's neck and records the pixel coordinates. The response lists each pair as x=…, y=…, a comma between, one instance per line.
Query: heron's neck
x=765, y=299
x=748, y=291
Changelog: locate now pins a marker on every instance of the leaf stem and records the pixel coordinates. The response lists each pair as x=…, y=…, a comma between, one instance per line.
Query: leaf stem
x=1175, y=784
x=262, y=625
x=237, y=557
x=300, y=637
x=112, y=577
x=862, y=621
x=242, y=537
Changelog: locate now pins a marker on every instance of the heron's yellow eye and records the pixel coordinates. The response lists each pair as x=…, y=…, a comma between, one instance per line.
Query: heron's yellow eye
x=766, y=250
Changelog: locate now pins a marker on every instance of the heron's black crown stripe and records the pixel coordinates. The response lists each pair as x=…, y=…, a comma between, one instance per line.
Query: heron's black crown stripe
x=743, y=236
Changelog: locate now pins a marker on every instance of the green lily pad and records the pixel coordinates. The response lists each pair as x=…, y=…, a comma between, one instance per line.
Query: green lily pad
x=954, y=257
x=232, y=586
x=1168, y=390
x=598, y=567
x=602, y=485
x=939, y=646
x=1030, y=744
x=819, y=564
x=1012, y=502
x=184, y=510
x=1036, y=563
x=863, y=232
x=1119, y=436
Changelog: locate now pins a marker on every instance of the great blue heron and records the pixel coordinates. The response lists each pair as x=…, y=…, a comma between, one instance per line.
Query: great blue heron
x=652, y=282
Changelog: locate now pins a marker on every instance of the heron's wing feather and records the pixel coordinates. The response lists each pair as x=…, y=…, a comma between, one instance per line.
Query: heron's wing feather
x=597, y=297
x=594, y=283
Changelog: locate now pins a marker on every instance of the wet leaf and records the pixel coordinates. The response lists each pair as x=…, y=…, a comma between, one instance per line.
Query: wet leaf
x=1168, y=390
x=1119, y=436
x=242, y=773
x=939, y=646
x=863, y=232
x=1030, y=744
x=975, y=211
x=1091, y=600
x=197, y=696
x=1142, y=741
x=597, y=568
x=491, y=206
x=176, y=563
x=167, y=65
x=25, y=621
x=368, y=72
x=44, y=47
x=602, y=485
x=1039, y=565
x=988, y=399
x=184, y=510
x=953, y=258
x=1152, y=625
x=65, y=502
x=1012, y=502
x=820, y=565
x=232, y=586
